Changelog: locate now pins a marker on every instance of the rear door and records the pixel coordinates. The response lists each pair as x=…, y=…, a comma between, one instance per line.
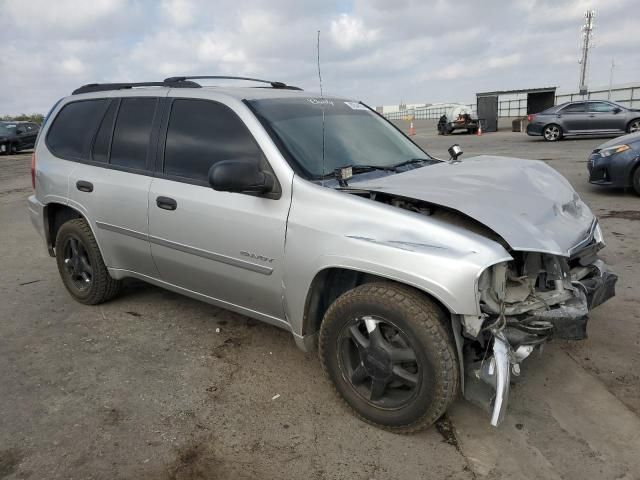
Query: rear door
x=226, y=246
x=603, y=117
x=112, y=184
x=573, y=118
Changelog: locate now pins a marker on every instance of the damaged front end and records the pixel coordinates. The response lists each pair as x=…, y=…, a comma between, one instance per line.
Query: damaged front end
x=525, y=303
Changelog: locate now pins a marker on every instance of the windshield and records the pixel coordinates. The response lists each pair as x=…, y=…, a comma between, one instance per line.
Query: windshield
x=7, y=128
x=353, y=134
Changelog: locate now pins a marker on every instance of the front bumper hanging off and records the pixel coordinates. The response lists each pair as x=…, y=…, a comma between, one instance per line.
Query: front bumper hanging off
x=487, y=382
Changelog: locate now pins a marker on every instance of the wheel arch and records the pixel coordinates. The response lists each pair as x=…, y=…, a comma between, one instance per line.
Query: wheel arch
x=331, y=282
x=55, y=215
x=630, y=122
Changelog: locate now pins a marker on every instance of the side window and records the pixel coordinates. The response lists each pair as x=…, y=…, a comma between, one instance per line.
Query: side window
x=201, y=133
x=133, y=130
x=573, y=108
x=72, y=130
x=601, y=107
x=100, y=152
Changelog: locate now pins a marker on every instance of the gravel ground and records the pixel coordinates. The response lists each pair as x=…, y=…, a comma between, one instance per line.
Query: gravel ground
x=145, y=387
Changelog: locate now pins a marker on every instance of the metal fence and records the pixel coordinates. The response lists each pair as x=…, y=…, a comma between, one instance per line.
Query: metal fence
x=625, y=95
x=432, y=112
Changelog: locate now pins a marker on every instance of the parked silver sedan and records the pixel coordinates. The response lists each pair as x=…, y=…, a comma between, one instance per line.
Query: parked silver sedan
x=590, y=117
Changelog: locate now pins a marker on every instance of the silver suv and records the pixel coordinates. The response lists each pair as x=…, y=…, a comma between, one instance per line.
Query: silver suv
x=416, y=278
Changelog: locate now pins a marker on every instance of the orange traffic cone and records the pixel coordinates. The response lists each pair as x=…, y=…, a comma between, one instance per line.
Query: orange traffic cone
x=479, y=131
x=412, y=130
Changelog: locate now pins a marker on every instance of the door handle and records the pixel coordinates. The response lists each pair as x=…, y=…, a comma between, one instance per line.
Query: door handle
x=84, y=186
x=592, y=115
x=166, y=203
x=558, y=116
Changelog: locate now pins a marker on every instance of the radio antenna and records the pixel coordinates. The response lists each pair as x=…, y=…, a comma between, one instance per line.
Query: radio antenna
x=323, y=105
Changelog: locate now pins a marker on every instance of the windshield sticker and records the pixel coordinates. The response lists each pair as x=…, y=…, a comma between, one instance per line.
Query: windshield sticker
x=355, y=106
x=320, y=101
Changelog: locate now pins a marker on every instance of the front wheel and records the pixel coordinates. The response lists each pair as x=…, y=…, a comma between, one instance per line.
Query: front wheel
x=552, y=133
x=634, y=126
x=388, y=353
x=81, y=266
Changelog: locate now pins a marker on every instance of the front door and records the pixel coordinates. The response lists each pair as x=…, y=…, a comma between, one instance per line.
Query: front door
x=226, y=246
x=604, y=116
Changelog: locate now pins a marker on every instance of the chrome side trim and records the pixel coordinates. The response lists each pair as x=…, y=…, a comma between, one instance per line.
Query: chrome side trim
x=123, y=231
x=216, y=257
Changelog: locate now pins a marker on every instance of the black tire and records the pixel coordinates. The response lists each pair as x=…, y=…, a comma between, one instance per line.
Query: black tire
x=13, y=149
x=634, y=126
x=409, y=324
x=83, y=273
x=635, y=180
x=552, y=132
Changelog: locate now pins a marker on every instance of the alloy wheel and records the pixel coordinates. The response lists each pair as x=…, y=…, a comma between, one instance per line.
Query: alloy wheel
x=634, y=127
x=77, y=264
x=552, y=133
x=378, y=361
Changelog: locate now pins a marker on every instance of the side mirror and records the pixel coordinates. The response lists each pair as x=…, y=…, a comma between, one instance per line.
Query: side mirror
x=19, y=131
x=617, y=110
x=242, y=176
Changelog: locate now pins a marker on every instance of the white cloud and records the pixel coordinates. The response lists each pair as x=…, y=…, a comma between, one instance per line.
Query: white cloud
x=379, y=51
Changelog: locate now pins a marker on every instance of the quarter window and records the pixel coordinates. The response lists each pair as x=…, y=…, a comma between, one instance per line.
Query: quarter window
x=73, y=128
x=201, y=133
x=132, y=132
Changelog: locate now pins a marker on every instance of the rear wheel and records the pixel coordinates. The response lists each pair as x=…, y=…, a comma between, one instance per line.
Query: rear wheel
x=13, y=149
x=634, y=126
x=81, y=266
x=386, y=349
x=552, y=133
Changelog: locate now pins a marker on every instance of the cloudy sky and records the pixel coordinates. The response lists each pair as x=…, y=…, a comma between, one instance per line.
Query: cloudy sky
x=378, y=51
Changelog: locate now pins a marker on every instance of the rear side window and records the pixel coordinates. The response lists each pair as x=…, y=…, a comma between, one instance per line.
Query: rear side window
x=132, y=132
x=574, y=108
x=102, y=143
x=201, y=133
x=73, y=128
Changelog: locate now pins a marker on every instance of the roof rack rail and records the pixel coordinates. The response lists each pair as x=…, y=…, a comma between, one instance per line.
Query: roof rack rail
x=103, y=87
x=224, y=77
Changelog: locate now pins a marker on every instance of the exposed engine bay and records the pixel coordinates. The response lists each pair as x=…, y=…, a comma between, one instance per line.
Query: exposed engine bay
x=524, y=303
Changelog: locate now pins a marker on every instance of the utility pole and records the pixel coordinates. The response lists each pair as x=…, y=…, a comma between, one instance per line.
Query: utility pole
x=587, y=32
x=613, y=65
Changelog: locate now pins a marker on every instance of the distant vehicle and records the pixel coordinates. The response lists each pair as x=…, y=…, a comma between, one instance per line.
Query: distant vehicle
x=16, y=136
x=616, y=163
x=457, y=117
x=589, y=117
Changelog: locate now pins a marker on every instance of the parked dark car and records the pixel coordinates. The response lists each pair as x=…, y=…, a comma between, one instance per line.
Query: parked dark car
x=616, y=163
x=589, y=117
x=16, y=136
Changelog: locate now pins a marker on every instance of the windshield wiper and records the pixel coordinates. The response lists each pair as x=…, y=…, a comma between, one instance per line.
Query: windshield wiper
x=412, y=161
x=342, y=174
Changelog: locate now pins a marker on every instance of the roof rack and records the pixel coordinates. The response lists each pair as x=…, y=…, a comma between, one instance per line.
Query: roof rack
x=102, y=87
x=173, y=82
x=224, y=77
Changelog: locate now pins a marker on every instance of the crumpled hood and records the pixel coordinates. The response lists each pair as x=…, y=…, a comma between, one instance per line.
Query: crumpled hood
x=530, y=205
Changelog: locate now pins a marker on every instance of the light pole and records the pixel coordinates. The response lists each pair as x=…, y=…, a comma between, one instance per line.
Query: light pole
x=587, y=32
x=613, y=65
